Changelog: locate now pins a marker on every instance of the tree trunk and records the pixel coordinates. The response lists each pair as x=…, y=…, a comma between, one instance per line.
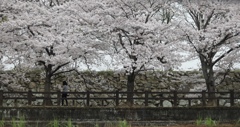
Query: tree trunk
x=47, y=88
x=130, y=88
x=211, y=88
x=207, y=69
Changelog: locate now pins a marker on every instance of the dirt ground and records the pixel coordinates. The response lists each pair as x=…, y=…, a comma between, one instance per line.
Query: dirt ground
x=192, y=125
x=231, y=124
x=183, y=125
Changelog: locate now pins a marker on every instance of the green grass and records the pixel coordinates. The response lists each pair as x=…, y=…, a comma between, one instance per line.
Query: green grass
x=199, y=122
x=19, y=123
x=209, y=122
x=69, y=123
x=123, y=123
x=2, y=123
x=54, y=123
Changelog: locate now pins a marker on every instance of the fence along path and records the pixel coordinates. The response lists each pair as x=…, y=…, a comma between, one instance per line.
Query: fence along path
x=86, y=97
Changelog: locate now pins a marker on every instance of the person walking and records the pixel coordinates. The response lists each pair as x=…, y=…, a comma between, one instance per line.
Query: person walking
x=64, y=92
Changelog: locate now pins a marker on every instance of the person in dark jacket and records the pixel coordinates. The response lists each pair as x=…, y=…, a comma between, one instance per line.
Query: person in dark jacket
x=64, y=92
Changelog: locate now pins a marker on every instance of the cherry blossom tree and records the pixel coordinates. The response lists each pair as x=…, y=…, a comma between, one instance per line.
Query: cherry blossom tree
x=140, y=32
x=3, y=18
x=141, y=35
x=212, y=31
x=51, y=37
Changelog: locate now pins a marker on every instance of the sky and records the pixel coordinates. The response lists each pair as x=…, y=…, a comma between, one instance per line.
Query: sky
x=186, y=66
x=190, y=65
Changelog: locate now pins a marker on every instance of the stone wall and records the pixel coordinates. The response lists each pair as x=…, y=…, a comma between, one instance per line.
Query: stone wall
x=112, y=81
x=150, y=81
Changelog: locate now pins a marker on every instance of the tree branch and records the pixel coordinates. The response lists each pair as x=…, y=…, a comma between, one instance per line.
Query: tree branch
x=208, y=19
x=195, y=18
x=122, y=44
x=223, y=40
x=64, y=72
x=225, y=54
x=42, y=63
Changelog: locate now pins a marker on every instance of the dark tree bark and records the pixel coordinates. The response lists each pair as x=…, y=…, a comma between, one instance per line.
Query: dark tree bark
x=130, y=88
x=208, y=74
x=47, y=87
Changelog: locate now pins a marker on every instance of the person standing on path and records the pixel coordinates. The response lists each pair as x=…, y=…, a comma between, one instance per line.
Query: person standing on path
x=64, y=92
